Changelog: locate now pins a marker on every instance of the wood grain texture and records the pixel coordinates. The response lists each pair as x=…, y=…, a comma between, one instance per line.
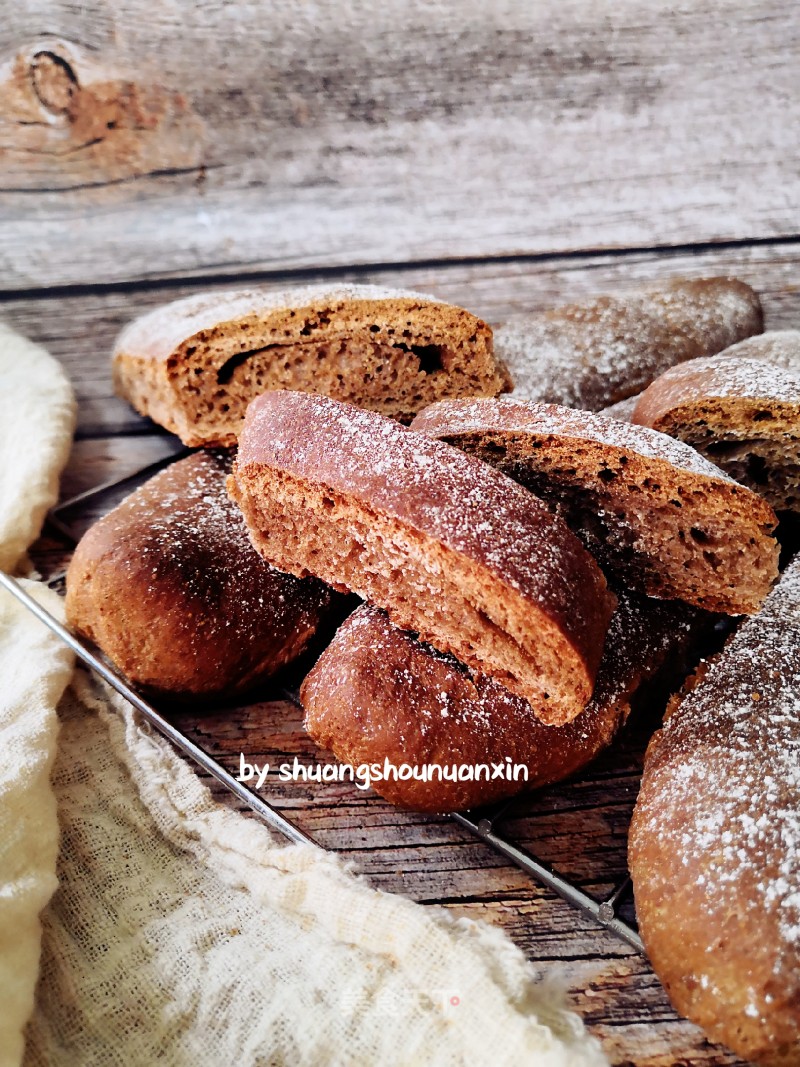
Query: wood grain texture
x=136, y=145
x=80, y=329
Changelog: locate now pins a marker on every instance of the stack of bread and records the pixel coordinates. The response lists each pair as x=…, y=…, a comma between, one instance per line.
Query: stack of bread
x=528, y=566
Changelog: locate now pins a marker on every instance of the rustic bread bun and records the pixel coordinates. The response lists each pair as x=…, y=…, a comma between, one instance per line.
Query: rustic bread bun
x=379, y=694
x=170, y=588
x=592, y=354
x=657, y=516
x=194, y=365
x=449, y=547
x=744, y=414
x=715, y=840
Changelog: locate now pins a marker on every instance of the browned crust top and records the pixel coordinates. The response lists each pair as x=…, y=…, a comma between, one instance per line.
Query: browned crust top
x=377, y=692
x=452, y=417
x=722, y=377
x=167, y=330
x=601, y=350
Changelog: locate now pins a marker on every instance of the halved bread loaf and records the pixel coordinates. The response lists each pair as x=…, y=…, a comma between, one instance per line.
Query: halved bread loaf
x=377, y=693
x=594, y=353
x=170, y=588
x=449, y=547
x=659, y=517
x=743, y=413
x=194, y=365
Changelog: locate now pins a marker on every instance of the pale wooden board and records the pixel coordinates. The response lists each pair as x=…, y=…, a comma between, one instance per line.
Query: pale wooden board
x=330, y=133
x=80, y=329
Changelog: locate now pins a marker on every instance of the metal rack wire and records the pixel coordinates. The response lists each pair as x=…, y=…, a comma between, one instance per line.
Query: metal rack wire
x=482, y=824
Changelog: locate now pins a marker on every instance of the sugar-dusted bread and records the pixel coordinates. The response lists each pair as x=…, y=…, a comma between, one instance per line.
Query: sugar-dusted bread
x=448, y=546
x=170, y=588
x=715, y=840
x=743, y=413
x=592, y=354
x=656, y=515
x=377, y=693
x=781, y=348
x=194, y=365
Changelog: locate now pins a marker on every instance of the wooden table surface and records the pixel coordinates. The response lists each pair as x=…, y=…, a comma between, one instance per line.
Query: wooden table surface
x=506, y=157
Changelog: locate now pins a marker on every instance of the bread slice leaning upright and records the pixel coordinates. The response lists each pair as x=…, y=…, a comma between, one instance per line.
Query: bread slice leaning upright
x=659, y=517
x=194, y=365
x=449, y=547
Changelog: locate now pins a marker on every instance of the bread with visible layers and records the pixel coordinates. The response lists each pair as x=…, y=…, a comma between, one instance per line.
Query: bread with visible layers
x=170, y=588
x=377, y=693
x=714, y=846
x=740, y=412
x=657, y=516
x=448, y=546
x=194, y=365
x=602, y=350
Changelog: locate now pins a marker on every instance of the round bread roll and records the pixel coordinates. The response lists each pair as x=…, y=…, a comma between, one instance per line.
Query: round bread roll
x=715, y=840
x=377, y=693
x=170, y=588
x=740, y=412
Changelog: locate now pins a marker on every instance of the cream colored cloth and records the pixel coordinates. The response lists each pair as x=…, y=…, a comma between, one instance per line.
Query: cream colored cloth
x=37, y=419
x=184, y=933
x=34, y=669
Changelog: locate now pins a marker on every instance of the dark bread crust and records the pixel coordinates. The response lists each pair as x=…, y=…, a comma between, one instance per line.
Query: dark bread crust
x=741, y=412
x=657, y=516
x=714, y=845
x=377, y=693
x=446, y=545
x=598, y=352
x=194, y=365
x=170, y=588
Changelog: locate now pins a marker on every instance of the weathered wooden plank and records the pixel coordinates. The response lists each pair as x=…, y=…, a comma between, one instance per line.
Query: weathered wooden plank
x=354, y=133
x=80, y=329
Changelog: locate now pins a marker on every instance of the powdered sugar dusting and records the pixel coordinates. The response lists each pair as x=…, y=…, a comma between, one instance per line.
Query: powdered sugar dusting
x=168, y=326
x=474, y=416
x=191, y=538
x=778, y=347
x=724, y=376
x=728, y=759
x=594, y=354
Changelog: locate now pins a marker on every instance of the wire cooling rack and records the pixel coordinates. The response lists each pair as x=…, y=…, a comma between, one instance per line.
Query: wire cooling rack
x=482, y=824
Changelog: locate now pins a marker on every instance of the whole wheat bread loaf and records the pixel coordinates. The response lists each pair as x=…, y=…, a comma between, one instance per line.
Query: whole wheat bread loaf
x=194, y=365
x=377, y=693
x=657, y=516
x=599, y=351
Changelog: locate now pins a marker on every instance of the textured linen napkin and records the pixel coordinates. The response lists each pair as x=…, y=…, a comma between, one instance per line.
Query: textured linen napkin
x=185, y=933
